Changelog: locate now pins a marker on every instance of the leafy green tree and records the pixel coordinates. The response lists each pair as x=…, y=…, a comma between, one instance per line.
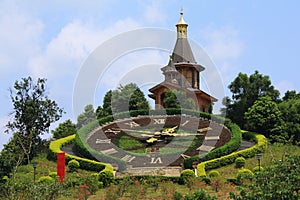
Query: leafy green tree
x=279, y=181
x=105, y=110
x=245, y=91
x=87, y=116
x=265, y=117
x=290, y=109
x=11, y=157
x=33, y=114
x=64, y=129
x=178, y=99
x=291, y=94
x=128, y=97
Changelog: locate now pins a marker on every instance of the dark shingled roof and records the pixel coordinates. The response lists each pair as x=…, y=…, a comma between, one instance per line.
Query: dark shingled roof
x=183, y=52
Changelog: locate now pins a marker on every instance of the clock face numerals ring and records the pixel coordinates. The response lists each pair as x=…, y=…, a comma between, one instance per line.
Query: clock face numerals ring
x=161, y=140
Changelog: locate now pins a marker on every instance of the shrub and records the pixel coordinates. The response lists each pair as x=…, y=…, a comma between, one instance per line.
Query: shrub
x=257, y=169
x=200, y=194
x=106, y=177
x=73, y=165
x=177, y=196
x=214, y=174
x=244, y=174
x=187, y=175
x=46, y=180
x=201, y=170
x=239, y=162
x=53, y=175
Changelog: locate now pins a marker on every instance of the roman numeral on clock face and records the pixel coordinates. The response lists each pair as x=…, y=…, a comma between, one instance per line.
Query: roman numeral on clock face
x=156, y=160
x=109, y=151
x=128, y=158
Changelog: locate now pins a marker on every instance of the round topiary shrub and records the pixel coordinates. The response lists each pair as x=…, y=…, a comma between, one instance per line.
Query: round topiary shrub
x=106, y=177
x=240, y=162
x=53, y=175
x=244, y=174
x=257, y=169
x=186, y=175
x=46, y=179
x=73, y=165
x=214, y=174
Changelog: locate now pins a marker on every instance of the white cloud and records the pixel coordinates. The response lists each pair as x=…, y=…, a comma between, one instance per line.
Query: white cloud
x=19, y=38
x=65, y=53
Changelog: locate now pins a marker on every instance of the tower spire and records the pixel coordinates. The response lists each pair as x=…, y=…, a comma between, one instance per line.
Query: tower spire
x=181, y=26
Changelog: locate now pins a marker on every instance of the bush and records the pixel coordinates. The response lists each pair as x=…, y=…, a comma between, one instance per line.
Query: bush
x=257, y=169
x=240, y=162
x=187, y=175
x=73, y=165
x=106, y=177
x=199, y=194
x=214, y=174
x=244, y=174
x=46, y=180
x=201, y=170
x=53, y=175
x=177, y=196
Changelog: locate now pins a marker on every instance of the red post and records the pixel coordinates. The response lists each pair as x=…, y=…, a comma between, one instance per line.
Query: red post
x=61, y=166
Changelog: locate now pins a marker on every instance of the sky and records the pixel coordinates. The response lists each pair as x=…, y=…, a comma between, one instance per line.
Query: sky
x=57, y=39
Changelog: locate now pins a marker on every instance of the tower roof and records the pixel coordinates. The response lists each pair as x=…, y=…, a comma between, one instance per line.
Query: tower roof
x=182, y=52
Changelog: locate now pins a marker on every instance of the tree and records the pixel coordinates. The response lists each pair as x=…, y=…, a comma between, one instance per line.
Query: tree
x=178, y=99
x=33, y=113
x=87, y=116
x=128, y=97
x=265, y=117
x=64, y=129
x=290, y=109
x=291, y=94
x=279, y=181
x=105, y=110
x=11, y=157
x=245, y=91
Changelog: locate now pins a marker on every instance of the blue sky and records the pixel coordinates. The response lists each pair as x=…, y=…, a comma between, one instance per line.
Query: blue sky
x=52, y=39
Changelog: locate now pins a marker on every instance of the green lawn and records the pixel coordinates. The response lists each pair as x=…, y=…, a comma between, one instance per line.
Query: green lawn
x=126, y=142
x=273, y=152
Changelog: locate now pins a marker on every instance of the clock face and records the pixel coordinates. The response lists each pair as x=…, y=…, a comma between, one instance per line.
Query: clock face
x=155, y=141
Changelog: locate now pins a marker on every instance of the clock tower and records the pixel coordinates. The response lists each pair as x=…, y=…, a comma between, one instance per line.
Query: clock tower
x=182, y=73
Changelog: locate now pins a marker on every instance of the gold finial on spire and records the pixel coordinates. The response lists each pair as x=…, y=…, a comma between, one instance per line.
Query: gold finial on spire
x=170, y=56
x=181, y=26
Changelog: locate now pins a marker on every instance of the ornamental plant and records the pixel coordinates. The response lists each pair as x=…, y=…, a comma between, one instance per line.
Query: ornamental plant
x=240, y=162
x=73, y=165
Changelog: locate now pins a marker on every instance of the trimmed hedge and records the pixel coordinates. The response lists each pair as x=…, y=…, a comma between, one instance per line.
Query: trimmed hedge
x=226, y=149
x=56, y=145
x=261, y=145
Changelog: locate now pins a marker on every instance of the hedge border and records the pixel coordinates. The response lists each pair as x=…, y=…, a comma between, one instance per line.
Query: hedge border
x=92, y=165
x=226, y=149
x=259, y=147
